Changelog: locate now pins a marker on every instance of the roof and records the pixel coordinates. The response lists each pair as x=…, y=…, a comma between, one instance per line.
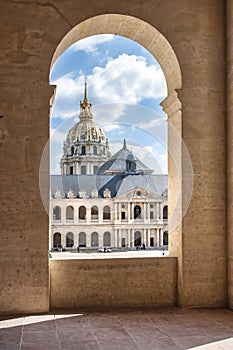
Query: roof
x=124, y=162
x=117, y=184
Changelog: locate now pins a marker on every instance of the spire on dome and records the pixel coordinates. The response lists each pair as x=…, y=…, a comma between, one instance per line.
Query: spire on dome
x=85, y=92
x=124, y=145
x=85, y=105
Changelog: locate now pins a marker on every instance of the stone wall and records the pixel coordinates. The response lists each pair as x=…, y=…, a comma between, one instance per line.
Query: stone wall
x=30, y=32
x=113, y=282
x=229, y=75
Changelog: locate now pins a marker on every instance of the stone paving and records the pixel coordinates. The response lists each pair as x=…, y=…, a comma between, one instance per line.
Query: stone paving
x=113, y=255
x=127, y=329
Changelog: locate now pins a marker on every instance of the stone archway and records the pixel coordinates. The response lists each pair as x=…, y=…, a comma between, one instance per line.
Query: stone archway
x=151, y=39
x=156, y=43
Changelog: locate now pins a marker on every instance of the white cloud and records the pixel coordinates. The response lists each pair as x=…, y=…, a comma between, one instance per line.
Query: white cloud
x=89, y=45
x=111, y=127
x=127, y=79
x=147, y=154
x=57, y=136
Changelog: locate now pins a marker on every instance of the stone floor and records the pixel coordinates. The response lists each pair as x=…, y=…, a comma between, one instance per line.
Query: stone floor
x=146, y=329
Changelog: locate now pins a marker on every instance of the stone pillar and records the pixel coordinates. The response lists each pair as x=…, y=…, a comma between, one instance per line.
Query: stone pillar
x=100, y=215
x=157, y=238
x=161, y=237
x=128, y=215
x=88, y=239
x=200, y=121
x=157, y=210
x=148, y=237
x=144, y=216
x=229, y=74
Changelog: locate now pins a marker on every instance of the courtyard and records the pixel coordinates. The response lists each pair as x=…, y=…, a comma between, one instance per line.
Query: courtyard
x=115, y=253
x=117, y=329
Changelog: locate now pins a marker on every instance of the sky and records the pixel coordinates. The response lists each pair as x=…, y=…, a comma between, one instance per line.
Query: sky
x=125, y=84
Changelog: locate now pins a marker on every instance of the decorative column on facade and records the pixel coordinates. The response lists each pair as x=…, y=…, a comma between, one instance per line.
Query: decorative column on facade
x=157, y=210
x=119, y=238
x=63, y=239
x=128, y=215
x=144, y=211
x=88, y=240
x=161, y=237
x=157, y=237
x=148, y=237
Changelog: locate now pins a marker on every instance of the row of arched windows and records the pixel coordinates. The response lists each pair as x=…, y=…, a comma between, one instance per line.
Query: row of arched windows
x=95, y=213
x=83, y=150
x=82, y=239
x=82, y=213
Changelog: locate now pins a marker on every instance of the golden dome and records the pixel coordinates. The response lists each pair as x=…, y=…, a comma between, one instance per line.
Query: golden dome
x=86, y=130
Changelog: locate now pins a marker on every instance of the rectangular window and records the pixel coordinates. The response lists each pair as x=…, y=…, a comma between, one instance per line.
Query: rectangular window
x=83, y=170
x=123, y=216
x=151, y=215
x=71, y=170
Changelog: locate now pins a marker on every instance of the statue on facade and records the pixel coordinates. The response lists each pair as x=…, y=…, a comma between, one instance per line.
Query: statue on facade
x=107, y=193
x=57, y=194
x=94, y=193
x=70, y=193
x=82, y=194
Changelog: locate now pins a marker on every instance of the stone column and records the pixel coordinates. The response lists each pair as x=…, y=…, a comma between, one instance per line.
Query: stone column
x=229, y=74
x=148, y=237
x=157, y=237
x=128, y=214
x=161, y=237
x=144, y=216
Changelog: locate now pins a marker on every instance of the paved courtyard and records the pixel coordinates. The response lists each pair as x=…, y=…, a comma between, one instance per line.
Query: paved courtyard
x=85, y=254
x=147, y=329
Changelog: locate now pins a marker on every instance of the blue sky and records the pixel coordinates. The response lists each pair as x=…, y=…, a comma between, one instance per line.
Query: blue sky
x=125, y=85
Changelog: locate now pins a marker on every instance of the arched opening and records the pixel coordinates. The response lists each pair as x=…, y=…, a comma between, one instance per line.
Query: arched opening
x=72, y=151
x=56, y=239
x=83, y=151
x=107, y=239
x=82, y=213
x=165, y=238
x=95, y=150
x=137, y=212
x=82, y=239
x=69, y=213
x=106, y=213
x=165, y=212
x=94, y=239
x=94, y=213
x=57, y=213
x=137, y=239
x=69, y=240
x=160, y=49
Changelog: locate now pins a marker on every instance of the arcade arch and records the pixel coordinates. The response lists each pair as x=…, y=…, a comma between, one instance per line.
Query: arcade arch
x=152, y=40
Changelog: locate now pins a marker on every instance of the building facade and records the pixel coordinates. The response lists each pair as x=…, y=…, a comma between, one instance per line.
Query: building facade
x=103, y=200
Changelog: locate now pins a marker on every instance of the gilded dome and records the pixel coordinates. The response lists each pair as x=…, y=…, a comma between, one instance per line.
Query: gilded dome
x=86, y=130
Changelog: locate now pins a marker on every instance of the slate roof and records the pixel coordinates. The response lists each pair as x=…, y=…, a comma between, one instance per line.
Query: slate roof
x=117, y=184
x=117, y=163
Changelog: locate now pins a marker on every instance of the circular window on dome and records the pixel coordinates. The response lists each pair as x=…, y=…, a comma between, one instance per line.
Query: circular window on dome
x=123, y=206
x=139, y=193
